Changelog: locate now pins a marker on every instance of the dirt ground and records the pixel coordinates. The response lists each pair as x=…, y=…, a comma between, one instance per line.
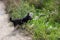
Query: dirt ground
x=6, y=29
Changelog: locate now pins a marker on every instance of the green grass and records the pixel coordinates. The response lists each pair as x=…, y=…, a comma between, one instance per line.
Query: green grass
x=43, y=27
